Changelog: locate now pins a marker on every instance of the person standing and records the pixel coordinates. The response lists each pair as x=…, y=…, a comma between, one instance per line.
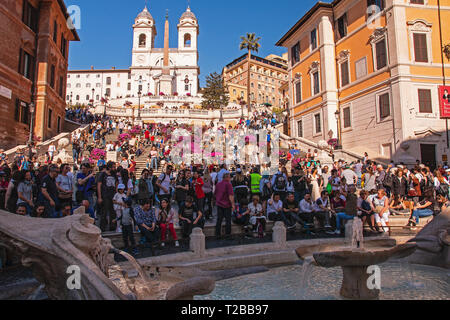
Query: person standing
x=164, y=184
x=106, y=188
x=225, y=203
x=49, y=192
x=197, y=184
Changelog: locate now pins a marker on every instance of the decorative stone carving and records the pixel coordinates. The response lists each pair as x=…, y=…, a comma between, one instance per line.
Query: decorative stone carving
x=433, y=243
x=377, y=35
x=50, y=246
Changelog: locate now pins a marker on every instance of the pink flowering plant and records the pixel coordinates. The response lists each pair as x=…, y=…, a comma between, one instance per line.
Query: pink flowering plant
x=135, y=130
x=96, y=154
x=124, y=136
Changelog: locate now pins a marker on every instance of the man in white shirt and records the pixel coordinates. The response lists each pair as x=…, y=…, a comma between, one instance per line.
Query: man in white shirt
x=350, y=176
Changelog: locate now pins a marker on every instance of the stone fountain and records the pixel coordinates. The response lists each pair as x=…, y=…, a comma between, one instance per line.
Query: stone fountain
x=355, y=261
x=53, y=247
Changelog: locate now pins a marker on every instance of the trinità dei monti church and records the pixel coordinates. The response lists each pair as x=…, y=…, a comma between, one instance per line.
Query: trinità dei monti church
x=172, y=71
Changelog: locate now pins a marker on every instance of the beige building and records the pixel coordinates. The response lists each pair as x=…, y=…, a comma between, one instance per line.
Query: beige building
x=266, y=77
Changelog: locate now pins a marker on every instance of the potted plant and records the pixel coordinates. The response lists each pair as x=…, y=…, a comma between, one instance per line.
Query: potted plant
x=161, y=94
x=188, y=94
x=175, y=93
x=150, y=94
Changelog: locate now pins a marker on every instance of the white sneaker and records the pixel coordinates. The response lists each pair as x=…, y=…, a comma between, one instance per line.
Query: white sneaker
x=337, y=232
x=327, y=226
x=177, y=244
x=163, y=244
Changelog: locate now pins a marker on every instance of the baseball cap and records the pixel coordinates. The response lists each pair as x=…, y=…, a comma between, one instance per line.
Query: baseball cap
x=121, y=186
x=238, y=170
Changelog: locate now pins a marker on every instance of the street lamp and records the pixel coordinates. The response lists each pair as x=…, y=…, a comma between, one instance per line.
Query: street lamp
x=139, y=99
x=337, y=114
x=93, y=92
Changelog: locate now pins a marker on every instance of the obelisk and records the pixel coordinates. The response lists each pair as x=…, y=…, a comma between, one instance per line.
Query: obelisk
x=166, y=78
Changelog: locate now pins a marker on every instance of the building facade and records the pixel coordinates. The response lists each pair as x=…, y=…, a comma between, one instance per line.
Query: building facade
x=34, y=48
x=266, y=77
x=367, y=72
x=148, y=65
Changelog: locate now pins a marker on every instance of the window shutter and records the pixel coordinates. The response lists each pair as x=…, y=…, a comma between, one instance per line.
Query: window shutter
x=381, y=54
x=344, y=74
x=425, y=101
x=385, y=110
x=300, y=128
x=298, y=92
x=347, y=118
x=420, y=47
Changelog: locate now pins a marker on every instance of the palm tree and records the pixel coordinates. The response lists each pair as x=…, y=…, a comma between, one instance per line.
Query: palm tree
x=251, y=43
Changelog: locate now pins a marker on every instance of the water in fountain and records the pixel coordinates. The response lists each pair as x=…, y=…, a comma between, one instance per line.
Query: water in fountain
x=135, y=264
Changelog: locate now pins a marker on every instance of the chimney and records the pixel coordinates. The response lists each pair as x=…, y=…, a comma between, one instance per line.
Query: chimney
x=114, y=68
x=92, y=67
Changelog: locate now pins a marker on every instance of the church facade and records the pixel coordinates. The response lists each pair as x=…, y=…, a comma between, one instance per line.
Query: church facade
x=171, y=71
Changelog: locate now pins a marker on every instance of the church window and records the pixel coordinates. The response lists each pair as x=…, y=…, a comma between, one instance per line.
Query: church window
x=187, y=40
x=142, y=41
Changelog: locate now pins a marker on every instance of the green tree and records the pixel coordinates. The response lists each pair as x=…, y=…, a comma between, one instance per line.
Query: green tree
x=250, y=43
x=215, y=94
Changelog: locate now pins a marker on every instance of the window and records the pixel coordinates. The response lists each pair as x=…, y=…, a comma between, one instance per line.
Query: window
x=252, y=85
x=88, y=85
x=316, y=84
x=87, y=97
x=298, y=92
x=384, y=105
x=98, y=76
x=234, y=92
x=380, y=5
x=142, y=40
x=342, y=27
x=425, y=105
x=77, y=97
x=21, y=112
x=63, y=45
x=108, y=81
x=380, y=50
x=52, y=76
x=129, y=87
x=347, y=118
x=344, y=74
x=30, y=16
x=49, y=119
x=108, y=92
x=17, y=110
x=98, y=85
x=118, y=84
x=187, y=40
x=61, y=86
x=58, y=124
x=361, y=68
x=87, y=76
x=129, y=76
x=295, y=53
x=78, y=85
x=78, y=76
x=55, y=32
x=26, y=64
x=417, y=2
x=420, y=47
x=314, y=39
x=140, y=88
x=97, y=97
x=317, y=123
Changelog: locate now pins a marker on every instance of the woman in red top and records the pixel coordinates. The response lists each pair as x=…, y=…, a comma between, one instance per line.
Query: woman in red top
x=132, y=168
x=198, y=183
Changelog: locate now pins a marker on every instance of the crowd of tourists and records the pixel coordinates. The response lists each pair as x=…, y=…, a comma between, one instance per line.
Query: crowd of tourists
x=309, y=196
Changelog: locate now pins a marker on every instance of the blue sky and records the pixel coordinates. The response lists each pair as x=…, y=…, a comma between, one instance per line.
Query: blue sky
x=106, y=29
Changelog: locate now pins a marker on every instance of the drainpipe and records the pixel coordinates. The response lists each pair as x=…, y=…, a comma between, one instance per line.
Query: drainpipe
x=339, y=128
x=443, y=65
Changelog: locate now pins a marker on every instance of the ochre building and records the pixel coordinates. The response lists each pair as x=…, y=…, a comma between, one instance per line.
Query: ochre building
x=368, y=72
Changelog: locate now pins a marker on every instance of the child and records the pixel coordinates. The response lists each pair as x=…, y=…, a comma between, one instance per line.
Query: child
x=165, y=215
x=126, y=221
x=119, y=204
x=242, y=214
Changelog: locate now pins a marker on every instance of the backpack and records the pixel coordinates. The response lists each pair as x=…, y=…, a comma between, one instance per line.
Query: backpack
x=266, y=192
x=280, y=182
x=11, y=205
x=388, y=181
